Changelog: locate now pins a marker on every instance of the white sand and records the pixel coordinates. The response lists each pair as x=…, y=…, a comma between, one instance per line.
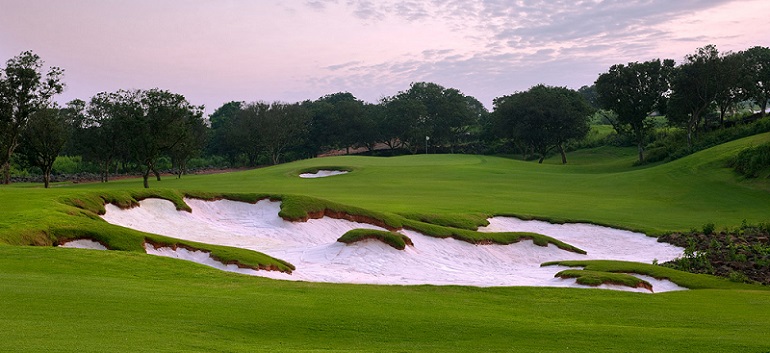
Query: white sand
x=83, y=244
x=323, y=173
x=312, y=247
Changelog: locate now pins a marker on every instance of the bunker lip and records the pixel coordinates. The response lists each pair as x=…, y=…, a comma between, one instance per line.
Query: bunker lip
x=151, y=247
x=312, y=247
x=323, y=173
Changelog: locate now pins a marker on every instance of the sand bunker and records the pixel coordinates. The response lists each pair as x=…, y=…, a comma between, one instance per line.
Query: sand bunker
x=83, y=244
x=312, y=247
x=323, y=173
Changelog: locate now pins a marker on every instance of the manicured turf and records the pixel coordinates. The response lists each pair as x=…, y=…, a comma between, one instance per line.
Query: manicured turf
x=90, y=301
x=55, y=299
x=601, y=187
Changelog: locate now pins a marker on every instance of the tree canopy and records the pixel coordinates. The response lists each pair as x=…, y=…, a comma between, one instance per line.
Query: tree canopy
x=23, y=91
x=544, y=118
x=634, y=91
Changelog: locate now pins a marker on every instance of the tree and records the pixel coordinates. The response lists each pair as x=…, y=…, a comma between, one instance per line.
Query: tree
x=192, y=141
x=158, y=124
x=281, y=127
x=224, y=132
x=544, y=117
x=428, y=109
x=728, y=80
x=100, y=136
x=23, y=91
x=757, y=72
x=695, y=88
x=401, y=124
x=633, y=91
x=44, y=137
x=336, y=120
x=248, y=134
x=591, y=96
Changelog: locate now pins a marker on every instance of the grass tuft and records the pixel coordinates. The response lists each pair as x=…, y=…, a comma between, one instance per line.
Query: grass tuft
x=597, y=278
x=396, y=240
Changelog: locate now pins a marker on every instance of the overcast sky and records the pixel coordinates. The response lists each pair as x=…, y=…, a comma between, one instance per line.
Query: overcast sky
x=217, y=51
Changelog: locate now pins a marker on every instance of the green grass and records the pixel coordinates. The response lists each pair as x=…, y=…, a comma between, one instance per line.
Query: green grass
x=396, y=240
x=600, y=186
x=683, y=279
x=89, y=301
x=596, y=278
x=55, y=299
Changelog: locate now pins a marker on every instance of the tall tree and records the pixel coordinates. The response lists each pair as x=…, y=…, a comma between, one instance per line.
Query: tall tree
x=23, y=91
x=223, y=139
x=757, y=72
x=193, y=139
x=695, y=88
x=544, y=117
x=44, y=137
x=728, y=81
x=336, y=120
x=248, y=135
x=282, y=127
x=100, y=136
x=429, y=109
x=633, y=91
x=158, y=125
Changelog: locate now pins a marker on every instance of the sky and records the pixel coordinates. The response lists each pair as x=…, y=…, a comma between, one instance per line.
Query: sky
x=216, y=51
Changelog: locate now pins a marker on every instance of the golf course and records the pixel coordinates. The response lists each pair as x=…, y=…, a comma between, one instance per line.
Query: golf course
x=54, y=298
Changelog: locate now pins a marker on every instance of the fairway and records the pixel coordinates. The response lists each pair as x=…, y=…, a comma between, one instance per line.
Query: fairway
x=600, y=187
x=58, y=299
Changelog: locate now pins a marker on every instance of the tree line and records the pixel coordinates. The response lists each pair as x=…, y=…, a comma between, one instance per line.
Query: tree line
x=136, y=129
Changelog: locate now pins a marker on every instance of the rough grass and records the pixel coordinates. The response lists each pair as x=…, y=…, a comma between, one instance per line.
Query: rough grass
x=396, y=240
x=461, y=221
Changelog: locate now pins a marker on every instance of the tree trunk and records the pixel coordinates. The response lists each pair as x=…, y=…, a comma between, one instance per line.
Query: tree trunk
x=146, y=176
x=640, y=147
x=47, y=175
x=7, y=172
x=563, y=154
x=722, y=111
x=157, y=174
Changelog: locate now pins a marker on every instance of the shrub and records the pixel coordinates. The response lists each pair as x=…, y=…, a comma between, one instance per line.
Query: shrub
x=751, y=162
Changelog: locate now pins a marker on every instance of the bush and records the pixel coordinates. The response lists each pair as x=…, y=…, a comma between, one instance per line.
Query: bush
x=752, y=161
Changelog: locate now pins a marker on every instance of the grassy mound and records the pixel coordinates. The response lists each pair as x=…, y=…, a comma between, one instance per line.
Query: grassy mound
x=396, y=240
x=597, y=278
x=683, y=279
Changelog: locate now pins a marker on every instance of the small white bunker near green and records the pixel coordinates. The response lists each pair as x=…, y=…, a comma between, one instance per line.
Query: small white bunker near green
x=313, y=248
x=323, y=174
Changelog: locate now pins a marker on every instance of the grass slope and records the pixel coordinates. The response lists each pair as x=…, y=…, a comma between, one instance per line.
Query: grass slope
x=89, y=301
x=599, y=186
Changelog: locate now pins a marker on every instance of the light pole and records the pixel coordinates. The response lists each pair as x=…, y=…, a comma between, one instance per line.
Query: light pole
x=426, y=144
